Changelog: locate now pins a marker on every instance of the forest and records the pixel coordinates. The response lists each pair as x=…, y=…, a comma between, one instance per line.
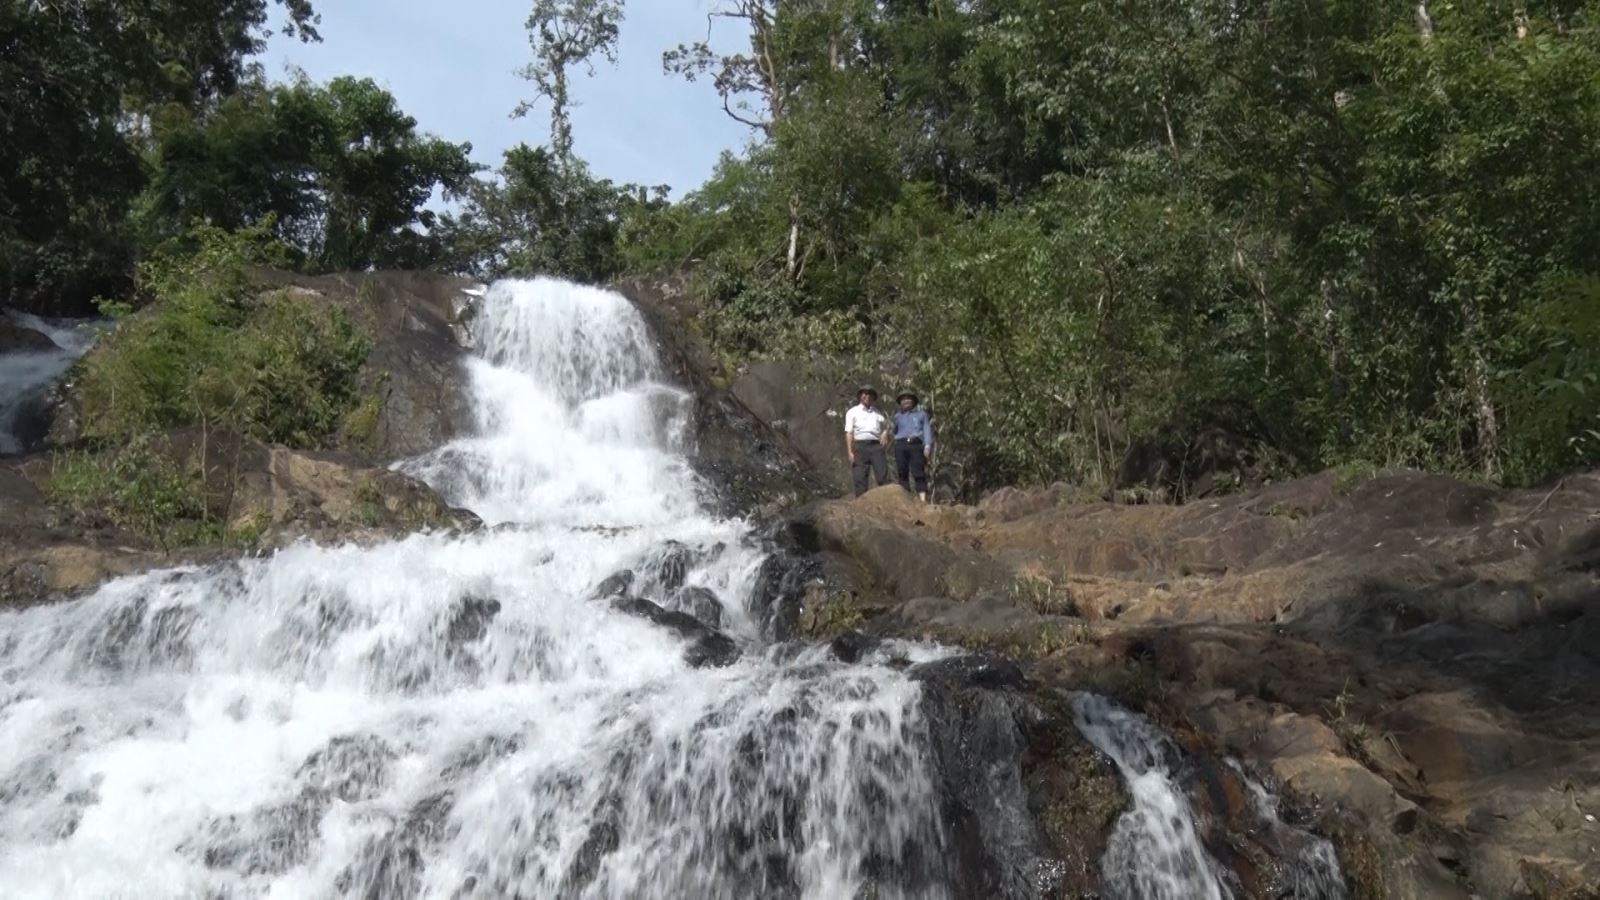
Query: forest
x=1347, y=234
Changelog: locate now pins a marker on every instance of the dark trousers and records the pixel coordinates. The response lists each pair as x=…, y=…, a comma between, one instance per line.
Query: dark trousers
x=910, y=465
x=869, y=453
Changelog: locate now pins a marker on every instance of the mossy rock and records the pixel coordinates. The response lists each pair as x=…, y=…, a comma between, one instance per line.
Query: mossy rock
x=1074, y=792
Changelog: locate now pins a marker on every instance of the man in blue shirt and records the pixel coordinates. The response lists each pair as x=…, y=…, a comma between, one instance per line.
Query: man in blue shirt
x=913, y=443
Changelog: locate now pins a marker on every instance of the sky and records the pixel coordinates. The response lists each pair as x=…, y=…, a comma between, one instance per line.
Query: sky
x=452, y=66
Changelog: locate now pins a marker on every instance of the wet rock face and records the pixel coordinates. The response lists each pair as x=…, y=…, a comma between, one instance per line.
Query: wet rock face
x=665, y=570
x=1012, y=809
x=616, y=585
x=707, y=646
x=471, y=619
x=700, y=603
x=276, y=838
x=15, y=338
x=748, y=465
x=780, y=592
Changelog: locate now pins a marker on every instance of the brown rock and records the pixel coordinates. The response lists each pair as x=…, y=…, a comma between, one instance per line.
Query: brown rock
x=268, y=495
x=1411, y=657
x=413, y=379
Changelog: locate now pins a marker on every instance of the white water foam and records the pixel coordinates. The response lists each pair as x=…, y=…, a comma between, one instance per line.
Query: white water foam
x=1154, y=852
x=1309, y=864
x=452, y=715
x=24, y=374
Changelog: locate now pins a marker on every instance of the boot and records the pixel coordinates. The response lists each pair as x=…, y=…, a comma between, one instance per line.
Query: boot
x=922, y=496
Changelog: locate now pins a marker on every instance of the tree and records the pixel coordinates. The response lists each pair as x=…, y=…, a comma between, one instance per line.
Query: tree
x=542, y=217
x=376, y=173
x=1331, y=226
x=339, y=172
x=736, y=75
x=763, y=71
x=565, y=33
x=78, y=83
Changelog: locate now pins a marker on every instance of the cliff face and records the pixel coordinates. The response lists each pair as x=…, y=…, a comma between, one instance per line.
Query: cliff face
x=749, y=460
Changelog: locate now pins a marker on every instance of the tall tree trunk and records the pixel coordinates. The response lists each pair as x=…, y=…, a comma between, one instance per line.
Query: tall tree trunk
x=794, y=236
x=1486, y=420
x=1172, y=137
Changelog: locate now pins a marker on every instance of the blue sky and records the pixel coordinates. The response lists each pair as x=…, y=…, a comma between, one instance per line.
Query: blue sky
x=452, y=66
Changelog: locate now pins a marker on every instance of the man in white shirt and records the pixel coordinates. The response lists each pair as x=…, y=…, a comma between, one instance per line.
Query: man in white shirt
x=865, y=429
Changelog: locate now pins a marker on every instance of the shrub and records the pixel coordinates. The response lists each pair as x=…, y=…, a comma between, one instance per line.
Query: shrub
x=136, y=488
x=280, y=367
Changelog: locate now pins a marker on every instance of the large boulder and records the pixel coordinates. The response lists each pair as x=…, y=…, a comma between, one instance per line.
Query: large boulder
x=328, y=496
x=900, y=545
x=15, y=338
x=412, y=395
x=994, y=792
x=420, y=328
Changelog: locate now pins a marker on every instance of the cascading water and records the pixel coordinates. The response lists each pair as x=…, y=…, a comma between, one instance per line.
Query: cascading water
x=25, y=374
x=465, y=716
x=1154, y=851
x=454, y=715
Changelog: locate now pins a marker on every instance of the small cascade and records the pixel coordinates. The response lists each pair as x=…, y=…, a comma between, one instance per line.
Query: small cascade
x=1155, y=851
x=462, y=715
x=26, y=374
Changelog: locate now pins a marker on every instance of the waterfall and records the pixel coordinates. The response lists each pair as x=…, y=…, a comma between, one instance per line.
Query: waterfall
x=477, y=715
x=455, y=715
x=1154, y=852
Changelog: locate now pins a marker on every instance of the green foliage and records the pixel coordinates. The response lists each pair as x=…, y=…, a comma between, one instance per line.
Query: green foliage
x=280, y=367
x=1350, y=231
x=369, y=508
x=544, y=216
x=565, y=33
x=75, y=81
x=360, y=429
x=338, y=169
x=137, y=488
x=1051, y=334
x=1347, y=231
x=127, y=123
x=1553, y=401
x=1351, y=474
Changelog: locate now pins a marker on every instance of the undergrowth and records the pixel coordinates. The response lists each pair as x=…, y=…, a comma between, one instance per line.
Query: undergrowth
x=212, y=351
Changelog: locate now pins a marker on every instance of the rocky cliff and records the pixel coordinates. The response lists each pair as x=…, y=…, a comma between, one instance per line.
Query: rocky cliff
x=1408, y=658
x=1411, y=658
